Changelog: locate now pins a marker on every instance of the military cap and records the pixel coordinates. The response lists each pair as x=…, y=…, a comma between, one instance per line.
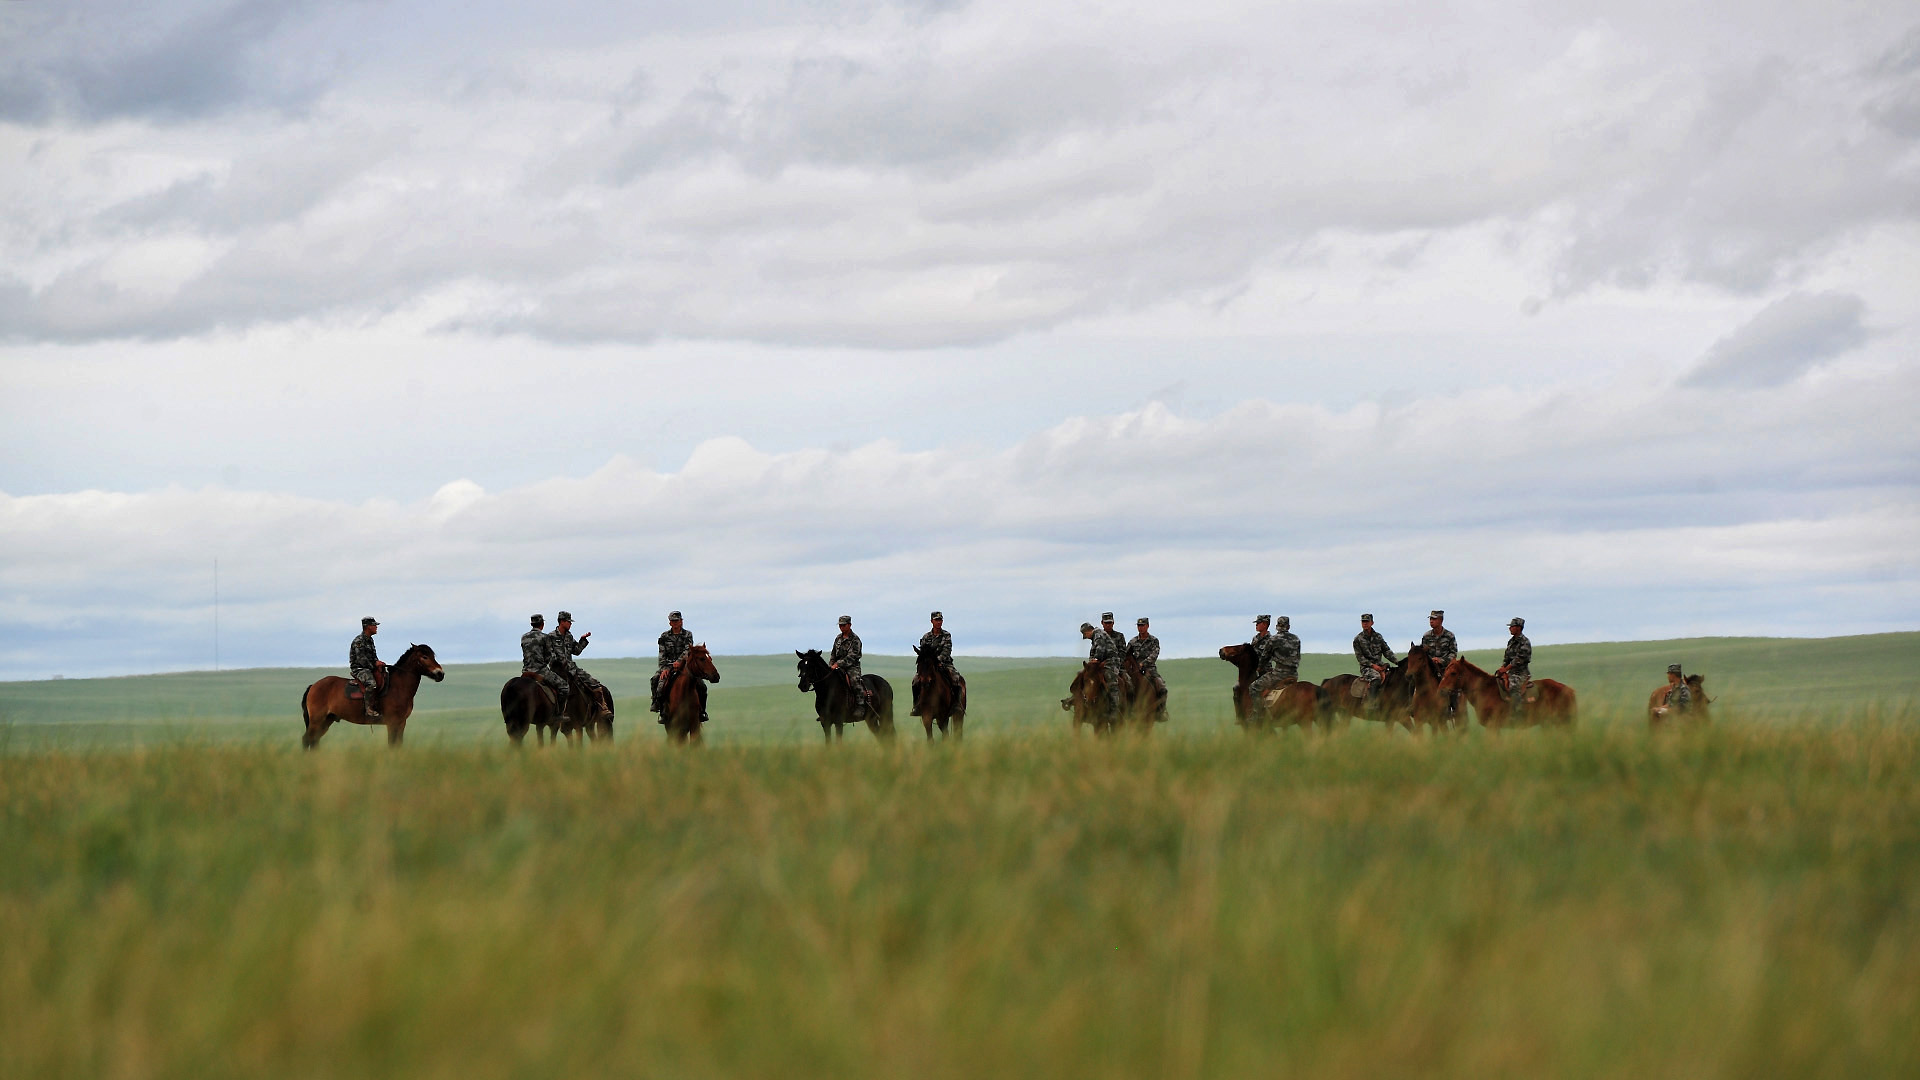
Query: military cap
x=565, y=616
x=1283, y=622
x=846, y=620
x=1141, y=621
x=1085, y=626
x=1436, y=613
x=369, y=621
x=673, y=616
x=934, y=616
x=1106, y=616
x=539, y=620
x=1517, y=621
x=1368, y=617
x=1673, y=669
x=1263, y=618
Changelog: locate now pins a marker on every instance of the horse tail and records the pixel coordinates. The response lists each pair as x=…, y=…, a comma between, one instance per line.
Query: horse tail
x=305, y=720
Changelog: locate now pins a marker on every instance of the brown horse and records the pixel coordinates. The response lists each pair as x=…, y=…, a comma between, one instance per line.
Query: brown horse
x=1244, y=660
x=682, y=712
x=1340, y=699
x=1141, y=703
x=525, y=703
x=329, y=700
x=1412, y=694
x=1696, y=715
x=580, y=717
x=1087, y=699
x=1548, y=702
x=1299, y=704
x=941, y=703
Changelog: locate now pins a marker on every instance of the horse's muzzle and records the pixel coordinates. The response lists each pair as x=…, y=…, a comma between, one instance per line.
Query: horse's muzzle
x=436, y=675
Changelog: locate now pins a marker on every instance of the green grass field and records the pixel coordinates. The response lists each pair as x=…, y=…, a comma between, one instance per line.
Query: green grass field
x=184, y=893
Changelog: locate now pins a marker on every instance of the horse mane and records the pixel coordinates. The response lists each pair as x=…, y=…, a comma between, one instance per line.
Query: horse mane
x=1471, y=666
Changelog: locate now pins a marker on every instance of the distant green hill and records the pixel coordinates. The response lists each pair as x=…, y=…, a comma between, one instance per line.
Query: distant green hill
x=1752, y=678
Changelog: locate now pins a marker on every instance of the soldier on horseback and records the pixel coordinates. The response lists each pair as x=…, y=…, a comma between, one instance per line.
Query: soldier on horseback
x=938, y=644
x=1108, y=655
x=1145, y=650
x=1441, y=649
x=561, y=649
x=533, y=664
x=1375, y=655
x=1514, y=665
x=363, y=664
x=1279, y=664
x=675, y=642
x=1679, y=694
x=845, y=658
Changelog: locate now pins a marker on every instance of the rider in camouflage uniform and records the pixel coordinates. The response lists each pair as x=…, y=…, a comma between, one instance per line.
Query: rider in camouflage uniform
x=1679, y=694
x=1374, y=654
x=1441, y=649
x=1514, y=665
x=1119, y=639
x=1281, y=664
x=562, y=648
x=1145, y=650
x=1104, y=651
x=533, y=662
x=845, y=658
x=939, y=645
x=675, y=642
x=363, y=664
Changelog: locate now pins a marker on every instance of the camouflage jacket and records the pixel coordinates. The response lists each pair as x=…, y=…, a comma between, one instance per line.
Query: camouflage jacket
x=1519, y=655
x=1102, y=648
x=1119, y=640
x=362, y=660
x=1283, y=655
x=1440, y=646
x=561, y=649
x=674, y=645
x=533, y=651
x=937, y=645
x=1145, y=648
x=846, y=653
x=1262, y=643
x=1680, y=697
x=1370, y=649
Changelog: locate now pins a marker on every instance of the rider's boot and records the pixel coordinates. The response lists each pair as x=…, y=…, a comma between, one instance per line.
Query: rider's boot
x=370, y=701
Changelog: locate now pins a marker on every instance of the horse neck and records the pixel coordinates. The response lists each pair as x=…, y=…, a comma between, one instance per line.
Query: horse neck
x=403, y=682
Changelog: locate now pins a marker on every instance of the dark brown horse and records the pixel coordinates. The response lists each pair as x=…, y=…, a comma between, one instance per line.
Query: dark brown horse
x=1087, y=699
x=329, y=700
x=1411, y=692
x=1548, y=702
x=833, y=698
x=525, y=703
x=1244, y=660
x=941, y=703
x=580, y=717
x=1658, y=713
x=1340, y=699
x=1296, y=704
x=682, y=713
x=1142, y=705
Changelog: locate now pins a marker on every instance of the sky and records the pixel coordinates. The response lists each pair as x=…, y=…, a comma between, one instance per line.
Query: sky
x=1605, y=315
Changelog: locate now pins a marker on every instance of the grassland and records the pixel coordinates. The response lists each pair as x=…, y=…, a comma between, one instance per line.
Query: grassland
x=189, y=895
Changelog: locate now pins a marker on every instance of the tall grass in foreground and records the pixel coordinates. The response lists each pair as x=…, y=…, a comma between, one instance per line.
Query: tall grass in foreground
x=1738, y=902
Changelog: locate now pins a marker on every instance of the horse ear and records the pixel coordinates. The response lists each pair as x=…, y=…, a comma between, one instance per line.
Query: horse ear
x=799, y=654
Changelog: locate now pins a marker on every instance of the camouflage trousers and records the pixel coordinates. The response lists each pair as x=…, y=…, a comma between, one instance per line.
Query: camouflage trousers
x=556, y=683
x=1272, y=681
x=1113, y=689
x=369, y=688
x=1517, y=691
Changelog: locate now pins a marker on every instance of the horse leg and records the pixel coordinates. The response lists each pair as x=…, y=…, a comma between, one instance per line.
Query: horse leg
x=396, y=732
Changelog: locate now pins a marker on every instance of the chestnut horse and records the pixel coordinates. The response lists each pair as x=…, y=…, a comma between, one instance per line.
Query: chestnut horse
x=1244, y=660
x=1087, y=699
x=326, y=701
x=833, y=698
x=1548, y=702
x=941, y=703
x=525, y=703
x=1412, y=694
x=1140, y=701
x=1340, y=699
x=681, y=713
x=1300, y=704
x=1696, y=715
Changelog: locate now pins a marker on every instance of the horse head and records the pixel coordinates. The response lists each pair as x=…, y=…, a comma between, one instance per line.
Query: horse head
x=700, y=663
x=810, y=667
x=1451, y=677
x=421, y=656
x=1240, y=656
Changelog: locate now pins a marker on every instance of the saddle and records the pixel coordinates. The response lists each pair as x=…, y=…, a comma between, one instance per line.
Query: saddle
x=354, y=693
x=1357, y=689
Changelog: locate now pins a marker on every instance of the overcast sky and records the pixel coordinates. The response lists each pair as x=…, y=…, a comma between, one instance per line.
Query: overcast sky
x=1602, y=314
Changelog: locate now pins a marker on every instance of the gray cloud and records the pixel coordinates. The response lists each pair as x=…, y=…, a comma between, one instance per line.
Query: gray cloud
x=1786, y=339
x=864, y=176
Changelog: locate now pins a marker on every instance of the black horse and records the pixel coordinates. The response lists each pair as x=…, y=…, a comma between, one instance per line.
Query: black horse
x=524, y=704
x=833, y=698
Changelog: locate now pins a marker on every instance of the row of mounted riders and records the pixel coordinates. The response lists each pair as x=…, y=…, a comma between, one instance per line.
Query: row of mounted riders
x=1411, y=693
x=940, y=700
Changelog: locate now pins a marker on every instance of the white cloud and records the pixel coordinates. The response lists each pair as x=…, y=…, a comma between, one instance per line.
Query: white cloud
x=1783, y=341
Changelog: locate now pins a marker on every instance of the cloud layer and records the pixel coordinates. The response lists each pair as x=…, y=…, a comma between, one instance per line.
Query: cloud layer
x=911, y=176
